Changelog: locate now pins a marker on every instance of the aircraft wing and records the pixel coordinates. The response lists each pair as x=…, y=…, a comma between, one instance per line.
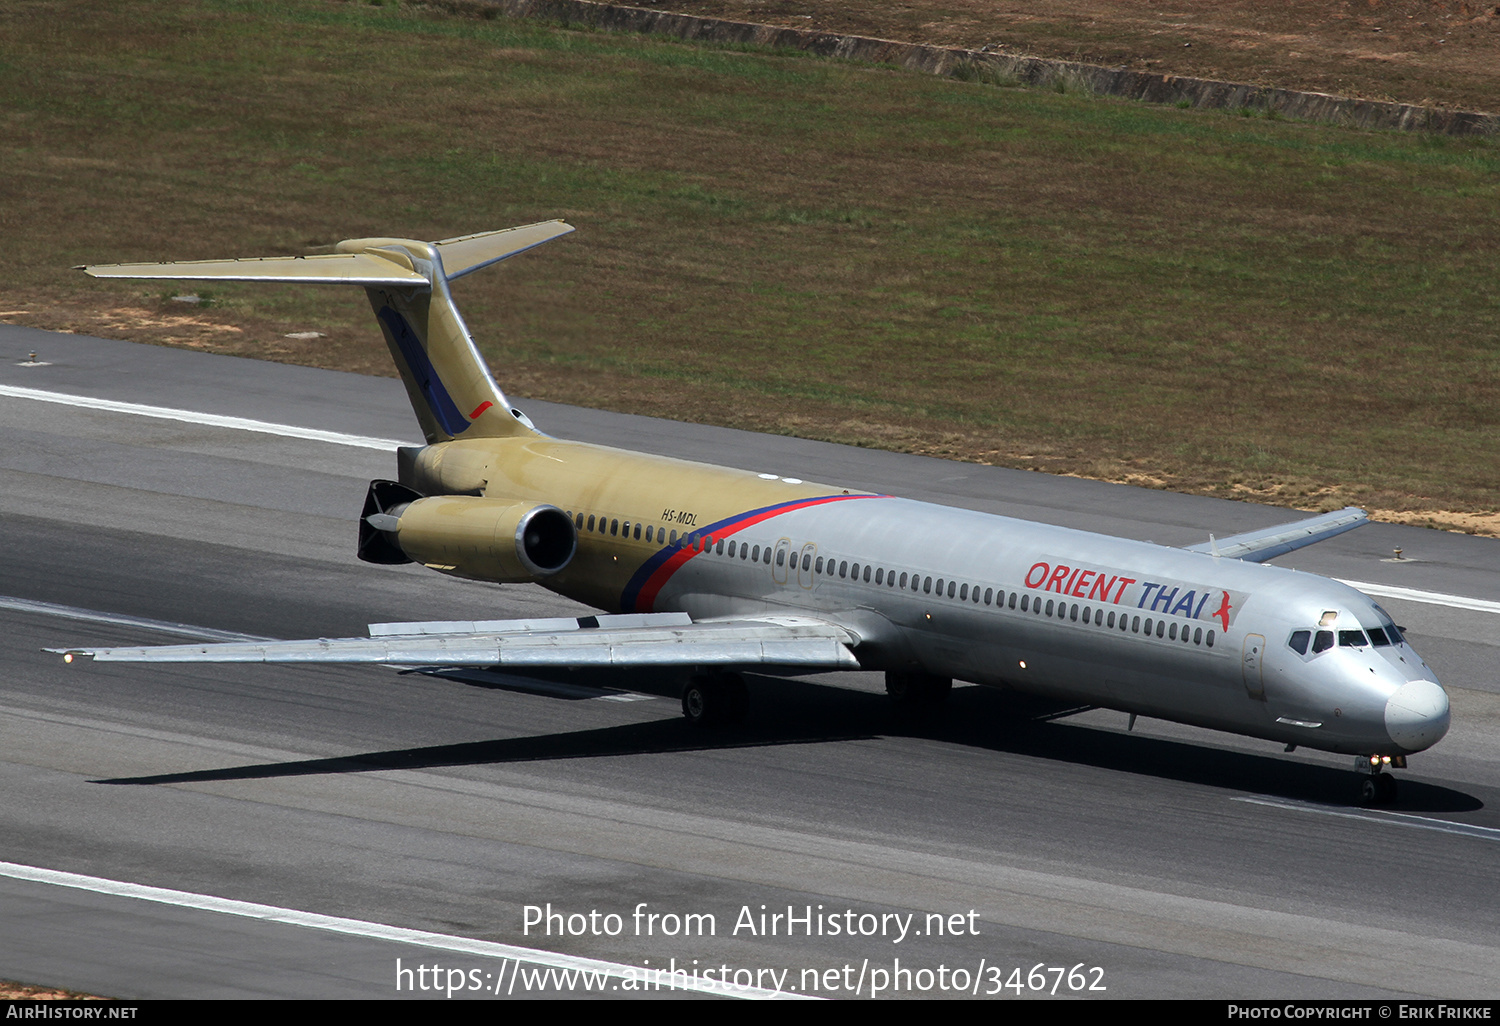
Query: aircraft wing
x=650, y=639
x=1259, y=546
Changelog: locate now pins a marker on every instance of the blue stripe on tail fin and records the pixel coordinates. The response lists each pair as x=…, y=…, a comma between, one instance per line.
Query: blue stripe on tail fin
x=423, y=375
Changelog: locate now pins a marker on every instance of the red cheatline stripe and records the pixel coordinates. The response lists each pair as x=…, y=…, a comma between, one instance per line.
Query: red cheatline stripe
x=480, y=409
x=646, y=598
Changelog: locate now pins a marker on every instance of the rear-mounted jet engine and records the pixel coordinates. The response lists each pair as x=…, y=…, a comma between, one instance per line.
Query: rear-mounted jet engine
x=465, y=535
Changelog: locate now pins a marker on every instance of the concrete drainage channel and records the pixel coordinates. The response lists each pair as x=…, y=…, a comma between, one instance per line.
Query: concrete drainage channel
x=999, y=67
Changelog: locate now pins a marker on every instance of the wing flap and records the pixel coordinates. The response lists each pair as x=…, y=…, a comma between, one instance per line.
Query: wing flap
x=1259, y=546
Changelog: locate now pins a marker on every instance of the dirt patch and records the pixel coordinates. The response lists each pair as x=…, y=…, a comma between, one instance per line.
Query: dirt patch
x=26, y=992
x=1442, y=53
x=171, y=327
x=231, y=330
x=1487, y=524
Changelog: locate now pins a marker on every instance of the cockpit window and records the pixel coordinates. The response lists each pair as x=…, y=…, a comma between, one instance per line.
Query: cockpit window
x=1322, y=641
x=1352, y=639
x=1394, y=633
x=1299, y=640
x=1378, y=638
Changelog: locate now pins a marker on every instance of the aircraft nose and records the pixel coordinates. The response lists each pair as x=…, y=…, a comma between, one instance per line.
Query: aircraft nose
x=1416, y=716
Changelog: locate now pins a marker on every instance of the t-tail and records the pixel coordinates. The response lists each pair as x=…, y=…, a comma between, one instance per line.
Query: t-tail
x=450, y=387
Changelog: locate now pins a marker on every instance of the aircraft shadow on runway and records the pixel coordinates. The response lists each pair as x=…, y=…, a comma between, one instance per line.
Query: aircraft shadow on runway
x=800, y=712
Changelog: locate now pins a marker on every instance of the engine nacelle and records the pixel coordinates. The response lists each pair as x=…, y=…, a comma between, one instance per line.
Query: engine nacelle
x=467, y=535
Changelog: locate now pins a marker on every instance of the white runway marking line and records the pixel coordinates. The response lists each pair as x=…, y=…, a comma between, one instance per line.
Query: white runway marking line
x=375, y=931
x=1430, y=597
x=1380, y=816
x=206, y=419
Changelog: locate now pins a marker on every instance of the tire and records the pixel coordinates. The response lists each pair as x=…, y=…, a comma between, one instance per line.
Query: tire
x=715, y=700
x=917, y=690
x=1377, y=789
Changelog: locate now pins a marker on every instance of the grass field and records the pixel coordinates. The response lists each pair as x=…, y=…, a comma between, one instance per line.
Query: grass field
x=1215, y=303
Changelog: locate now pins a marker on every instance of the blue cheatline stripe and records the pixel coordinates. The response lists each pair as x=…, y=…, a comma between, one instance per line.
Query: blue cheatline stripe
x=443, y=409
x=657, y=570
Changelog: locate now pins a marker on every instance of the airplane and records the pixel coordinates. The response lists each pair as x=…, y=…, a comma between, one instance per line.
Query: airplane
x=713, y=571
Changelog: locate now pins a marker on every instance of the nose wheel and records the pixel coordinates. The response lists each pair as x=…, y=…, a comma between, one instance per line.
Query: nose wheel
x=1377, y=789
x=1377, y=786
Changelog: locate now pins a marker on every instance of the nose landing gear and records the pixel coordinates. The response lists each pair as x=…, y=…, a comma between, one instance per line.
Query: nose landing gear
x=1378, y=787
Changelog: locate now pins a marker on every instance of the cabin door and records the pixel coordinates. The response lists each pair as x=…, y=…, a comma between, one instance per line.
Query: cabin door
x=1254, y=658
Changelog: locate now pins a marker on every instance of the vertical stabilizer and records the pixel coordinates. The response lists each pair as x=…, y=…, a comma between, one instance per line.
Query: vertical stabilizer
x=446, y=378
x=450, y=387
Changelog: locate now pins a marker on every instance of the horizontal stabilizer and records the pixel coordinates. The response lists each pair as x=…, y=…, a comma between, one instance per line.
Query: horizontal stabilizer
x=369, y=262
x=1259, y=546
x=776, y=641
x=469, y=253
x=367, y=268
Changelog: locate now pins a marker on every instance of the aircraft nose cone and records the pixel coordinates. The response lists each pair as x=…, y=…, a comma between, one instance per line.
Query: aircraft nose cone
x=1416, y=716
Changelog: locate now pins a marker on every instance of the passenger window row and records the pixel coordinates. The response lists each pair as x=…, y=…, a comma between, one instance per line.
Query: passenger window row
x=607, y=525
x=965, y=592
x=925, y=584
x=1171, y=630
x=616, y=528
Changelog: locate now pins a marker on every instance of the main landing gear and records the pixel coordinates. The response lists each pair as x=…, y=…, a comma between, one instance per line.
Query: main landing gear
x=917, y=690
x=715, y=699
x=1377, y=786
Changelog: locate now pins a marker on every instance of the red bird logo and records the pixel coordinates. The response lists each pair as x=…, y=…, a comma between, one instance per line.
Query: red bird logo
x=1223, y=611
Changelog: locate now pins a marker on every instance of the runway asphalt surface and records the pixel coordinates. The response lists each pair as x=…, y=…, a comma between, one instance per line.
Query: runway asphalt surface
x=1179, y=862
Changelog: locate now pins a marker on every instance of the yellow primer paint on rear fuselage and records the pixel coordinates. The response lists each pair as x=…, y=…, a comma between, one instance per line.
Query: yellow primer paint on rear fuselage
x=601, y=482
